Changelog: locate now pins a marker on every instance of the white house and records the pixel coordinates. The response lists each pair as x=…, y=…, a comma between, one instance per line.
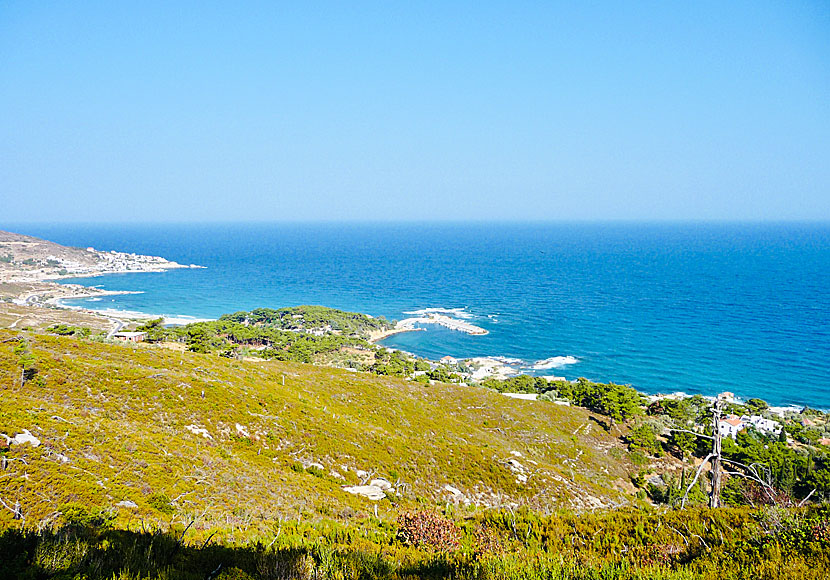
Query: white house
x=767, y=426
x=730, y=426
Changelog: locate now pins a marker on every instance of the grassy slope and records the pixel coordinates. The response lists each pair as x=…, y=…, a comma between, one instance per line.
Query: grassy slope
x=119, y=412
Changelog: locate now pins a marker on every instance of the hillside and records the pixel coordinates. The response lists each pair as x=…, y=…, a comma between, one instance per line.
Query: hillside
x=171, y=435
x=26, y=258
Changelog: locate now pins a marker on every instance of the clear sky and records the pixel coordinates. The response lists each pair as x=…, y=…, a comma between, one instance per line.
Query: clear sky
x=203, y=111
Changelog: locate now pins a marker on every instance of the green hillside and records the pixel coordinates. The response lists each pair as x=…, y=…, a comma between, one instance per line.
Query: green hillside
x=147, y=462
x=243, y=443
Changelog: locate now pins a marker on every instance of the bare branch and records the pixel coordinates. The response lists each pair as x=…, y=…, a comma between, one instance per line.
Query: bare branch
x=803, y=501
x=5, y=505
x=208, y=540
x=59, y=418
x=185, y=530
x=694, y=481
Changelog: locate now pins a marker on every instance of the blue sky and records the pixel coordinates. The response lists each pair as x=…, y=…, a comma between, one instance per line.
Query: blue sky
x=159, y=111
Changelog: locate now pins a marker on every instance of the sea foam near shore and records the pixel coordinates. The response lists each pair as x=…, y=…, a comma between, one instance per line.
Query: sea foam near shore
x=554, y=362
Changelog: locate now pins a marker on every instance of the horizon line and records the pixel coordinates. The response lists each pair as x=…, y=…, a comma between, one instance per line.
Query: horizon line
x=472, y=221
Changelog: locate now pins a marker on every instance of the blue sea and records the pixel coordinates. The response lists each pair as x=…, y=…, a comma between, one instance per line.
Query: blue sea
x=697, y=308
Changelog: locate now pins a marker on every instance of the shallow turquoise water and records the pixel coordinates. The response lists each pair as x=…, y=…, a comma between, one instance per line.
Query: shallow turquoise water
x=694, y=308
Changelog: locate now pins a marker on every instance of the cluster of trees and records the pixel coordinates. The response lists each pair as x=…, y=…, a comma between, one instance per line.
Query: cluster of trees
x=396, y=364
x=310, y=317
x=520, y=384
x=230, y=338
x=281, y=334
x=795, y=471
x=617, y=402
x=69, y=330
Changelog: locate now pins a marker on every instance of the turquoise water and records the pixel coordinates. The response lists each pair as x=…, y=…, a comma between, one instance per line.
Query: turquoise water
x=693, y=308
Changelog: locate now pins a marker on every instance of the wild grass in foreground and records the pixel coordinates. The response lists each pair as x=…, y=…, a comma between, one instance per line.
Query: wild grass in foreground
x=675, y=545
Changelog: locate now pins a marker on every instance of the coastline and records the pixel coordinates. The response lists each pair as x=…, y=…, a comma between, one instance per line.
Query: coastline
x=28, y=260
x=40, y=287
x=378, y=335
x=50, y=294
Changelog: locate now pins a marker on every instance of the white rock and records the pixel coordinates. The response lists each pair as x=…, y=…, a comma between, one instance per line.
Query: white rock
x=196, y=430
x=381, y=483
x=524, y=396
x=360, y=473
x=515, y=454
x=127, y=504
x=371, y=492
x=515, y=465
x=241, y=430
x=25, y=437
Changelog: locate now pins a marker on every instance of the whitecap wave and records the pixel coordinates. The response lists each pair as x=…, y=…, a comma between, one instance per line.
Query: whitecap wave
x=174, y=319
x=554, y=362
x=454, y=312
x=507, y=360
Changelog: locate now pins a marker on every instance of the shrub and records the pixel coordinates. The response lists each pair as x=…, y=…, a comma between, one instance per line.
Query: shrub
x=161, y=502
x=80, y=515
x=428, y=529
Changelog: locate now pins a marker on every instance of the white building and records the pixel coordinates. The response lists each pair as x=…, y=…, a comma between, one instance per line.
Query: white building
x=730, y=426
x=767, y=426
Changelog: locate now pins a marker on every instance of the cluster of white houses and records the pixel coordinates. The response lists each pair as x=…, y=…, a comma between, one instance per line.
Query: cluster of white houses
x=731, y=425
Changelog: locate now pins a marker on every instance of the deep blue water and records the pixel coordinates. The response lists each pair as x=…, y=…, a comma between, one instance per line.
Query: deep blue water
x=678, y=307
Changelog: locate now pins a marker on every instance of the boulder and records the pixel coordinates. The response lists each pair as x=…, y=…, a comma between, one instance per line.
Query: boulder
x=383, y=484
x=25, y=437
x=371, y=492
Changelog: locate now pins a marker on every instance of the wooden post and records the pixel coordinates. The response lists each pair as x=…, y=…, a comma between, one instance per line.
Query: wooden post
x=714, y=496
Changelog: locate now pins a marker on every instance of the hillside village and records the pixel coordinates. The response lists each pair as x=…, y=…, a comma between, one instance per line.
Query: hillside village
x=29, y=259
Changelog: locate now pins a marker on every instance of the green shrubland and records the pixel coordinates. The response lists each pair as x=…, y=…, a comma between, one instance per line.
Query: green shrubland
x=770, y=544
x=246, y=442
x=158, y=463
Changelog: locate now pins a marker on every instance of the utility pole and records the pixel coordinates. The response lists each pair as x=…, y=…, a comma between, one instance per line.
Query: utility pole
x=714, y=496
